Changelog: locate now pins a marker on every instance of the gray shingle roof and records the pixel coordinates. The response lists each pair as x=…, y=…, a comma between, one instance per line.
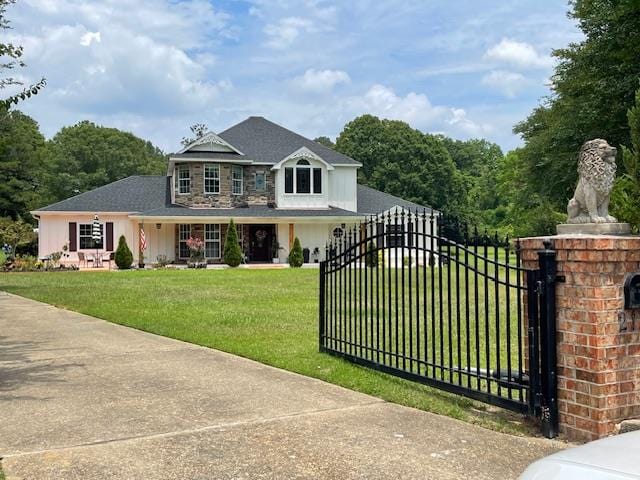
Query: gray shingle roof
x=372, y=201
x=251, y=211
x=266, y=142
x=151, y=196
x=131, y=194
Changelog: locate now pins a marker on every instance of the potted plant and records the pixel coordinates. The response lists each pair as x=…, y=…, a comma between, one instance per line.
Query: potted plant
x=196, y=253
x=316, y=255
x=275, y=251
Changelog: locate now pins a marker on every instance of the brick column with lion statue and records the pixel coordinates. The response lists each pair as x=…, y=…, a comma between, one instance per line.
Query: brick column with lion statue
x=597, y=304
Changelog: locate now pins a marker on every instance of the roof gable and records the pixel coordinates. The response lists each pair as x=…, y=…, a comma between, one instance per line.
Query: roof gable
x=301, y=153
x=210, y=142
x=266, y=142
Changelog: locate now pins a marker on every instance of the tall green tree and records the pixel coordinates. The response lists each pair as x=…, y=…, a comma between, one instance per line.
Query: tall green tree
x=326, y=141
x=23, y=165
x=86, y=156
x=592, y=88
x=11, y=59
x=625, y=198
x=403, y=161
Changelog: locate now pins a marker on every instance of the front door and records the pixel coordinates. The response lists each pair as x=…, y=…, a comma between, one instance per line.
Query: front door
x=260, y=240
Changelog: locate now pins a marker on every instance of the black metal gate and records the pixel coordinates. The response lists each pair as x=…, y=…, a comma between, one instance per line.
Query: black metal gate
x=427, y=300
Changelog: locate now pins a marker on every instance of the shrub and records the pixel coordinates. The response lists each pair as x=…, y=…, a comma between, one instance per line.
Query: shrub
x=295, y=256
x=232, y=254
x=371, y=258
x=3, y=258
x=123, y=257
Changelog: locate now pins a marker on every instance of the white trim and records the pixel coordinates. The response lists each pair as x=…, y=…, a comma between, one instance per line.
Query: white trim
x=210, y=137
x=251, y=220
x=204, y=180
x=233, y=180
x=301, y=153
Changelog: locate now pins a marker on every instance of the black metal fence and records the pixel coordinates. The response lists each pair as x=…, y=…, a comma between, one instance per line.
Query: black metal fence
x=398, y=295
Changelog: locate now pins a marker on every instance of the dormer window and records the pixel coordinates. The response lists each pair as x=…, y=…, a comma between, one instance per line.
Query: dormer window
x=304, y=178
x=184, y=180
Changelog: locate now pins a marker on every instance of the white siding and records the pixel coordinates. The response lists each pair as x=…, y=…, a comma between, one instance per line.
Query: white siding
x=343, y=187
x=296, y=200
x=159, y=241
x=53, y=233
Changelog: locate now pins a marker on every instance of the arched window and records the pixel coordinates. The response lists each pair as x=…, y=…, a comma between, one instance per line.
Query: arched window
x=303, y=179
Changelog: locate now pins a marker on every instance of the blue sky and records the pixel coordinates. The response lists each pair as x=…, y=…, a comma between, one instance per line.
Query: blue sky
x=459, y=67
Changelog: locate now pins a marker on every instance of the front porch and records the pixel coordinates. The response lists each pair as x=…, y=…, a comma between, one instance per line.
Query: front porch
x=262, y=244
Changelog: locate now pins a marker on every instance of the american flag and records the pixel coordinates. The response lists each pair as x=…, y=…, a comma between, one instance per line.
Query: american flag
x=143, y=241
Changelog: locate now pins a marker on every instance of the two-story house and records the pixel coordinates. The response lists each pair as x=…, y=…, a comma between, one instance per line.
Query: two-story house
x=275, y=184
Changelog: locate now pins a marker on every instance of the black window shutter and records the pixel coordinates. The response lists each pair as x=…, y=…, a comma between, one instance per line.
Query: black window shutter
x=109, y=235
x=73, y=236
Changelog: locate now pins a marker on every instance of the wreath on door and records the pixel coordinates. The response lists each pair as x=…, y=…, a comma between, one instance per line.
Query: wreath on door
x=260, y=236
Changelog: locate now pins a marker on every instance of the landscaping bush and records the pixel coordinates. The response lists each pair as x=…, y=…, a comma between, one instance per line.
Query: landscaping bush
x=123, y=257
x=295, y=256
x=3, y=258
x=371, y=258
x=232, y=253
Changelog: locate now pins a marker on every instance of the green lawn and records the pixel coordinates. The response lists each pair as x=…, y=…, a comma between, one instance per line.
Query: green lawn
x=267, y=315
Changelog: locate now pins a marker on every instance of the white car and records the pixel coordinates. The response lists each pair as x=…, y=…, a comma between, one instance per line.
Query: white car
x=612, y=458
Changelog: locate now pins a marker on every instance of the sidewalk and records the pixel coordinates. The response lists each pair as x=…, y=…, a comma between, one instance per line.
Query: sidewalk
x=81, y=398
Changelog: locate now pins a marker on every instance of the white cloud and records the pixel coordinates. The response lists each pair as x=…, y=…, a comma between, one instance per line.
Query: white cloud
x=508, y=83
x=518, y=54
x=320, y=80
x=89, y=37
x=283, y=33
x=417, y=110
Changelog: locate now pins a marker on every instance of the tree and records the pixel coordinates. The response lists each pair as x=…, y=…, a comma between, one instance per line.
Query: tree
x=86, y=156
x=295, y=255
x=232, y=255
x=403, y=161
x=326, y=141
x=625, y=198
x=199, y=130
x=23, y=163
x=14, y=54
x=593, y=86
x=15, y=233
x=123, y=256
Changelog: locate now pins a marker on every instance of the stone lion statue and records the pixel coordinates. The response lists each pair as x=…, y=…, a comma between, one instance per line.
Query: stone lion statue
x=596, y=173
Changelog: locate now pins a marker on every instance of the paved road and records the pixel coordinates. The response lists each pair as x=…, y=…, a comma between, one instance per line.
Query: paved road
x=81, y=398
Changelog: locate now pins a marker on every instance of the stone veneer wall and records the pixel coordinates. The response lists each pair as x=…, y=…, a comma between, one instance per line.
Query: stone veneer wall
x=225, y=199
x=598, y=342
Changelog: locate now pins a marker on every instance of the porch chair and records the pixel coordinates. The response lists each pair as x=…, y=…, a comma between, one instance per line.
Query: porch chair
x=82, y=259
x=110, y=258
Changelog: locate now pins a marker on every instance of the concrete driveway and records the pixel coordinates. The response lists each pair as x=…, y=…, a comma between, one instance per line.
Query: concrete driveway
x=81, y=398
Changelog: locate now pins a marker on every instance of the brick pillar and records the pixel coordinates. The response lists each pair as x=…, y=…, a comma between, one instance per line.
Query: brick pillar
x=598, y=342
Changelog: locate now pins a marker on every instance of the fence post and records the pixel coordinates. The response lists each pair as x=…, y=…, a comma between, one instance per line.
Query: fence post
x=548, y=356
x=321, y=309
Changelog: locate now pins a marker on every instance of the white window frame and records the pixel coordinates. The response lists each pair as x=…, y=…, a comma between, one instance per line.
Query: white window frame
x=235, y=182
x=295, y=168
x=215, y=178
x=89, y=226
x=183, y=235
x=212, y=236
x=183, y=181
